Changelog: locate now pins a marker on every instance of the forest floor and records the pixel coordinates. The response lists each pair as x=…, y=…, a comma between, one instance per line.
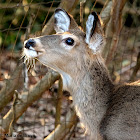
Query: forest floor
x=38, y=120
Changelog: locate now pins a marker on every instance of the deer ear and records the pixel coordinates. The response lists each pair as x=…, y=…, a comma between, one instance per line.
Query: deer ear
x=61, y=20
x=94, y=33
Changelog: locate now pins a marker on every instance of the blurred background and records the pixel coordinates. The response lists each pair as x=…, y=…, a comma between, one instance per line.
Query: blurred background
x=22, y=19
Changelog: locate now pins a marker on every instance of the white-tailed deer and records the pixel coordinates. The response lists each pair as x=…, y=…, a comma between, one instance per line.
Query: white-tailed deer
x=107, y=111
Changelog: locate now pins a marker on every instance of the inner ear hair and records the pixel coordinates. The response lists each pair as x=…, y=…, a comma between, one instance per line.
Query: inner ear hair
x=61, y=20
x=91, y=26
x=94, y=33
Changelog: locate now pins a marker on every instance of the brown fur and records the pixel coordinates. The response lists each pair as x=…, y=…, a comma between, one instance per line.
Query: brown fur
x=107, y=111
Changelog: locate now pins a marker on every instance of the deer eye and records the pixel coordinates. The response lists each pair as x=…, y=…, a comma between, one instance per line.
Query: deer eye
x=69, y=41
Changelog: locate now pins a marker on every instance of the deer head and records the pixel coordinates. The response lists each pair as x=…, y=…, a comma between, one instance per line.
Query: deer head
x=103, y=108
x=67, y=50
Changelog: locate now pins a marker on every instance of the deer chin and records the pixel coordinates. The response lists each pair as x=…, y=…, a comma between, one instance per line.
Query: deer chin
x=67, y=79
x=30, y=53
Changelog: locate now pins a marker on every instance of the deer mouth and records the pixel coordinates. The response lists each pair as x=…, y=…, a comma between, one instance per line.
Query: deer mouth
x=32, y=48
x=32, y=53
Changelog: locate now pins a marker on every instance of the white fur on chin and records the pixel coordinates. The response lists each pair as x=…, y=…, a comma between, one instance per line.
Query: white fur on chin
x=30, y=53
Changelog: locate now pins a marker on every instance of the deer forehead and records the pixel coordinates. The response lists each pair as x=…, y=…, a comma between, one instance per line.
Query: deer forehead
x=68, y=35
x=65, y=36
x=59, y=40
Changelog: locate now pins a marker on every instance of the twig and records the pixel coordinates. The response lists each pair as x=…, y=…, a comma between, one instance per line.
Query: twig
x=27, y=99
x=116, y=26
x=58, y=133
x=108, y=34
x=82, y=4
x=127, y=9
x=58, y=103
x=6, y=93
x=105, y=13
x=45, y=9
x=68, y=5
x=73, y=130
x=125, y=69
x=136, y=68
x=28, y=30
x=105, y=16
x=48, y=13
x=26, y=79
x=15, y=100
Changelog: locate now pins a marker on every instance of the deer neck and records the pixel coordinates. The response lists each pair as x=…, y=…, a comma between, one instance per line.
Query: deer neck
x=91, y=76
x=90, y=91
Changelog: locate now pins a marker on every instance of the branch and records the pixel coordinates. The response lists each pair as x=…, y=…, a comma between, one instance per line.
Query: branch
x=68, y=5
x=115, y=26
x=59, y=102
x=82, y=5
x=6, y=93
x=136, y=68
x=45, y=9
x=28, y=30
x=28, y=98
x=32, y=6
x=105, y=14
x=127, y=9
x=63, y=129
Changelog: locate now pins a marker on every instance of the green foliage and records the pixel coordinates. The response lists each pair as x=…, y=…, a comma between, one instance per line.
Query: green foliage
x=15, y=18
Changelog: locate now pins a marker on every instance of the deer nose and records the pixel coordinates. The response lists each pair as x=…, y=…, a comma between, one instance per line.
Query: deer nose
x=29, y=43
